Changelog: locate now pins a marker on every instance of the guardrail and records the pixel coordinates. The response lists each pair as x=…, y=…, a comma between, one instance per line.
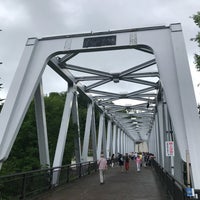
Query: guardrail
x=176, y=189
x=29, y=184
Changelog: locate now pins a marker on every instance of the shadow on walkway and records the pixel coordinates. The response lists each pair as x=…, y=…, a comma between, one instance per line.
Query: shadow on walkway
x=144, y=185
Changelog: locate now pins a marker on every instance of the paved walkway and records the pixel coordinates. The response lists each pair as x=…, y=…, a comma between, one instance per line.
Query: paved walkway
x=144, y=185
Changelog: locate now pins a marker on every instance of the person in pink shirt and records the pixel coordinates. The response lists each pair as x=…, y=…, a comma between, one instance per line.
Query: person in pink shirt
x=102, y=162
x=138, y=163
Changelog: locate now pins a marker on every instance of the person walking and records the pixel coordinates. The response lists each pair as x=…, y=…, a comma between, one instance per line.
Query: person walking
x=112, y=160
x=126, y=164
x=102, y=162
x=138, y=163
x=121, y=161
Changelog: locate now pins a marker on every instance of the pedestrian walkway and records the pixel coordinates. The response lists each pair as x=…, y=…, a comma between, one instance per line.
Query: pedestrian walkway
x=133, y=185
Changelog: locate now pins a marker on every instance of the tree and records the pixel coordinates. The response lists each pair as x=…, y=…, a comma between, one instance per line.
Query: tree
x=196, y=19
x=24, y=155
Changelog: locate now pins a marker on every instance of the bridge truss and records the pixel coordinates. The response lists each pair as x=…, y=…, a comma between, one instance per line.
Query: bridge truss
x=161, y=104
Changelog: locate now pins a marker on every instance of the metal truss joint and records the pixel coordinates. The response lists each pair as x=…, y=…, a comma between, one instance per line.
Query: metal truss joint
x=116, y=77
x=31, y=41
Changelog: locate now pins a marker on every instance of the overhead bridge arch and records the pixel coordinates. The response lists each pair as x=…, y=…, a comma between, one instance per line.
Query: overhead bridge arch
x=161, y=107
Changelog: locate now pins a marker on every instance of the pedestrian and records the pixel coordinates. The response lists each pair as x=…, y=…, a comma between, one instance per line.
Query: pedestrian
x=145, y=159
x=102, y=162
x=112, y=160
x=121, y=161
x=151, y=157
x=126, y=165
x=138, y=163
x=141, y=159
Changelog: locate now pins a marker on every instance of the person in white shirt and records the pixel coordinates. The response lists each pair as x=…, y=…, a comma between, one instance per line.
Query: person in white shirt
x=102, y=162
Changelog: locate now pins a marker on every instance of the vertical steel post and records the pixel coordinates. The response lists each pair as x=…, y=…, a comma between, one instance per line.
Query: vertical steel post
x=109, y=135
x=100, y=135
x=41, y=127
x=94, y=134
x=114, y=139
x=87, y=133
x=75, y=118
x=63, y=134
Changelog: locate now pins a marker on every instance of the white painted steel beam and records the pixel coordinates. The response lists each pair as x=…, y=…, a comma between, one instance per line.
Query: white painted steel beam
x=167, y=44
x=168, y=136
x=115, y=139
x=121, y=142
x=137, y=68
x=67, y=57
x=75, y=119
x=177, y=84
x=155, y=138
x=87, y=70
x=21, y=92
x=161, y=133
x=62, y=136
x=134, y=80
x=100, y=146
x=94, y=134
x=60, y=147
x=87, y=132
x=119, y=139
x=99, y=83
x=41, y=127
x=187, y=102
x=104, y=137
x=109, y=139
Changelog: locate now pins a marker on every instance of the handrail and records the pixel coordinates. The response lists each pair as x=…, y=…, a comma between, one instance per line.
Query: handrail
x=176, y=189
x=32, y=183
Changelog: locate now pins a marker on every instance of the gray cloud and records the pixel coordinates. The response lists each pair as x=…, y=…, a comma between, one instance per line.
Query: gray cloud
x=21, y=19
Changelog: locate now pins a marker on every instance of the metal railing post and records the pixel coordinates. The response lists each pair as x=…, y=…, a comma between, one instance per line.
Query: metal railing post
x=35, y=182
x=88, y=168
x=80, y=169
x=67, y=174
x=23, y=192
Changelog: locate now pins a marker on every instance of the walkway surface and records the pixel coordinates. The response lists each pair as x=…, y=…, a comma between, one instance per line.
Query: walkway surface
x=143, y=185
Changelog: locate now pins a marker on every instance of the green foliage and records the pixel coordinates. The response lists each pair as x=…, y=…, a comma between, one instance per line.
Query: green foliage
x=54, y=105
x=24, y=155
x=196, y=19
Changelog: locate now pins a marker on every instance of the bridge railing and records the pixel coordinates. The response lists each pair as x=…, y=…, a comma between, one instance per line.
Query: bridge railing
x=176, y=189
x=29, y=184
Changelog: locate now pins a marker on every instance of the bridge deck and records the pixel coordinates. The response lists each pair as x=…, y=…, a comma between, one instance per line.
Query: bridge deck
x=144, y=185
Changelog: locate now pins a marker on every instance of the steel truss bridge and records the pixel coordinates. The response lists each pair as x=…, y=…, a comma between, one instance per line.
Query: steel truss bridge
x=138, y=79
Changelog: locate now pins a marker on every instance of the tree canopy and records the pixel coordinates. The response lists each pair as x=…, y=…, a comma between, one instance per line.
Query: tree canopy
x=196, y=19
x=24, y=155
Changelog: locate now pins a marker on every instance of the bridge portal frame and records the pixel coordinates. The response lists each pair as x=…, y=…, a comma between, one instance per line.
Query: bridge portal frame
x=167, y=44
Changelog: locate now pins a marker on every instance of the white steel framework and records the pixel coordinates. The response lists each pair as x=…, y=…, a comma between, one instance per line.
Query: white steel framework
x=127, y=125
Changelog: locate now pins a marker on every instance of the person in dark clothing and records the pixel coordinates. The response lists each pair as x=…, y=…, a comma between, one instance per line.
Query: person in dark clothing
x=126, y=164
x=112, y=160
x=121, y=161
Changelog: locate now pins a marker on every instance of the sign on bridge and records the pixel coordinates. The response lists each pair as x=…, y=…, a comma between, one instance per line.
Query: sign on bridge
x=169, y=146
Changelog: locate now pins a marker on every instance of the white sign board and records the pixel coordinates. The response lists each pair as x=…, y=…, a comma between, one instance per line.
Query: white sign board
x=169, y=146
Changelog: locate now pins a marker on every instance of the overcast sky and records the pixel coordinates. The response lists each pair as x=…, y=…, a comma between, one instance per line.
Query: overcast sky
x=21, y=19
